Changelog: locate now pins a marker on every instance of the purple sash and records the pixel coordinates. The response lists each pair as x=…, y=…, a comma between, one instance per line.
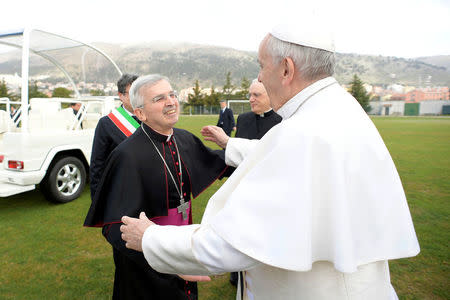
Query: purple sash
x=173, y=217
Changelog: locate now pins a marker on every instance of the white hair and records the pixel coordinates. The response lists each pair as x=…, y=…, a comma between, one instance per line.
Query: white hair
x=312, y=63
x=136, y=99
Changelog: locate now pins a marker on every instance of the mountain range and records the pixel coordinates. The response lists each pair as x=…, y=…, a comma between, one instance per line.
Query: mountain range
x=184, y=63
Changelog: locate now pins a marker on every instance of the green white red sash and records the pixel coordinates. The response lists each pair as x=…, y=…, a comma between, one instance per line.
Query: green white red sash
x=123, y=121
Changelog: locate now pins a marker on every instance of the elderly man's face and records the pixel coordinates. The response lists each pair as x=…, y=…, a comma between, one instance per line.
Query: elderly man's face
x=161, y=108
x=259, y=101
x=270, y=75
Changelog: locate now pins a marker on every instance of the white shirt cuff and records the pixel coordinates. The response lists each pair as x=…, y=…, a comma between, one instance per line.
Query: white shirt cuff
x=237, y=149
x=191, y=250
x=168, y=249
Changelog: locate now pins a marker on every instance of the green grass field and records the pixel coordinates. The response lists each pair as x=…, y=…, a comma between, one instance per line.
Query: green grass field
x=46, y=253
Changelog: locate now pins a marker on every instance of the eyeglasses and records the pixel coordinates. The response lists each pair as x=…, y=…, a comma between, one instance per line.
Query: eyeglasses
x=163, y=97
x=172, y=95
x=255, y=95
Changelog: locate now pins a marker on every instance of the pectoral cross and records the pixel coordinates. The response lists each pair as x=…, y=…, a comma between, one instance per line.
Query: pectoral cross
x=183, y=207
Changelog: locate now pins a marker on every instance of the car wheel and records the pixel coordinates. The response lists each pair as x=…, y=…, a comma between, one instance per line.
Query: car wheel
x=65, y=180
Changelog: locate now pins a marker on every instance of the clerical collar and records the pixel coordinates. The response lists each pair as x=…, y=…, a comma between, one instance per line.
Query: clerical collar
x=156, y=135
x=291, y=106
x=266, y=113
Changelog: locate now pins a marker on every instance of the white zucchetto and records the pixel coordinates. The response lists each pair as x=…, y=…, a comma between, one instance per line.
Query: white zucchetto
x=314, y=36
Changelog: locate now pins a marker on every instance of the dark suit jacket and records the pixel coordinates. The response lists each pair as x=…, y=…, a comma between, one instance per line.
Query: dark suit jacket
x=252, y=126
x=107, y=137
x=226, y=120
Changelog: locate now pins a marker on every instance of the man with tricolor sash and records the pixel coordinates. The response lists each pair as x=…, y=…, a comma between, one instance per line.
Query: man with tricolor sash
x=157, y=170
x=111, y=130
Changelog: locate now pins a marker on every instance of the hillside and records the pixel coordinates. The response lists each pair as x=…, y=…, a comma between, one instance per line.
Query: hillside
x=183, y=63
x=384, y=70
x=438, y=60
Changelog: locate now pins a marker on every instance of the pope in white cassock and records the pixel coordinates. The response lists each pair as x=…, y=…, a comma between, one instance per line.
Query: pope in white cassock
x=314, y=210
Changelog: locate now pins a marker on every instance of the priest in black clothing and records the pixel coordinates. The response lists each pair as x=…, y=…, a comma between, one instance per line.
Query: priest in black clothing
x=254, y=125
x=156, y=170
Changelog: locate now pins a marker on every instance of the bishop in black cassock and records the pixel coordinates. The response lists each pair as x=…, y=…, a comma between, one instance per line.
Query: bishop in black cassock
x=150, y=172
x=135, y=180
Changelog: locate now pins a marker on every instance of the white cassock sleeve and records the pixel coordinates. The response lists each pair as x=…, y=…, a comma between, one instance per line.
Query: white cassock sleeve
x=191, y=250
x=237, y=149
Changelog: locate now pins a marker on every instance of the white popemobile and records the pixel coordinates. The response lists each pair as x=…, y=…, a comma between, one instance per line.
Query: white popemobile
x=45, y=143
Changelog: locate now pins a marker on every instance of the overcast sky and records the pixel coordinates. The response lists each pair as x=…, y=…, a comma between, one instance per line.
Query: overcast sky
x=404, y=28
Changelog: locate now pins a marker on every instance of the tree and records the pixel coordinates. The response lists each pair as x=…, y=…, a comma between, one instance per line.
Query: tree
x=228, y=88
x=4, y=91
x=213, y=98
x=97, y=92
x=33, y=92
x=245, y=85
x=197, y=98
x=359, y=92
x=61, y=93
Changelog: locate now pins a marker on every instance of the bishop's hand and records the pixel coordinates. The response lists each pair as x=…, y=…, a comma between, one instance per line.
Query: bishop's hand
x=133, y=230
x=215, y=134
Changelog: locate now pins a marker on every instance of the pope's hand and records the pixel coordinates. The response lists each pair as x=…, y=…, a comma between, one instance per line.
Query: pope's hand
x=195, y=277
x=215, y=134
x=133, y=230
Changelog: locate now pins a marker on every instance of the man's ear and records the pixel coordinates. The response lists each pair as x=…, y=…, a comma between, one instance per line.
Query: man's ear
x=288, y=70
x=139, y=113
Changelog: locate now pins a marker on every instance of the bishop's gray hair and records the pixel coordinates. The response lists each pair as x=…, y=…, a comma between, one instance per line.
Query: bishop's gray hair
x=312, y=63
x=136, y=98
